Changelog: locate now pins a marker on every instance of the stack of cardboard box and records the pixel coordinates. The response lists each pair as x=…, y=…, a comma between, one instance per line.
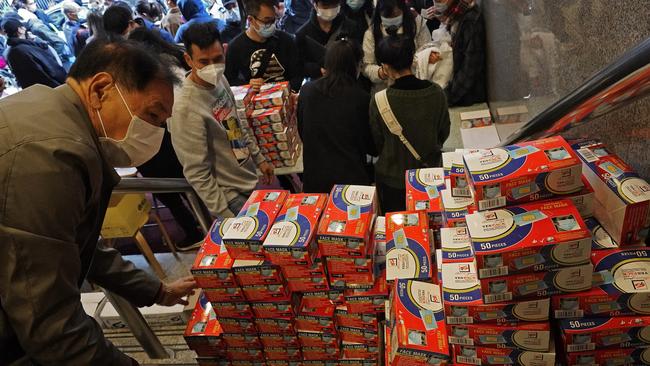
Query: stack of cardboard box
x=269, y=116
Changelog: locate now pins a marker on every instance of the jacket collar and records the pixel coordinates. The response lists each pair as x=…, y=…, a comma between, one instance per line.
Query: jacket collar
x=336, y=23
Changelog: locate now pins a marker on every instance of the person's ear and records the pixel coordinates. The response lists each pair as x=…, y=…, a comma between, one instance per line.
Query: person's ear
x=98, y=88
x=188, y=59
x=323, y=71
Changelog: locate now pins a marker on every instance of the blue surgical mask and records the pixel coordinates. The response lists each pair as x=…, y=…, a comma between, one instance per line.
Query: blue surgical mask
x=355, y=4
x=392, y=22
x=566, y=224
x=266, y=30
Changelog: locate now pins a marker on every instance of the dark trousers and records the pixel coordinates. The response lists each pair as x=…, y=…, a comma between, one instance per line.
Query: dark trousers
x=391, y=199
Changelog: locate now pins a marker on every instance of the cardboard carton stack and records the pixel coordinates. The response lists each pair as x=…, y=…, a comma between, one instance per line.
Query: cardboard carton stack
x=269, y=115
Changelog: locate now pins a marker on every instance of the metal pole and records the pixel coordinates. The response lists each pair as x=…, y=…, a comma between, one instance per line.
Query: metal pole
x=138, y=326
x=195, y=203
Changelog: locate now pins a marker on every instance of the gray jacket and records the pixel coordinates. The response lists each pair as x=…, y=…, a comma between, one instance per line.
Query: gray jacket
x=54, y=189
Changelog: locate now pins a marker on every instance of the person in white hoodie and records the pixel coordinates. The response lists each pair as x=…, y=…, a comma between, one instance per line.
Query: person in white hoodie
x=390, y=17
x=219, y=159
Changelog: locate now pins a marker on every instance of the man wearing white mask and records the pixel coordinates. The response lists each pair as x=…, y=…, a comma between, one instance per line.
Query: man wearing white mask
x=219, y=158
x=263, y=53
x=58, y=148
x=327, y=24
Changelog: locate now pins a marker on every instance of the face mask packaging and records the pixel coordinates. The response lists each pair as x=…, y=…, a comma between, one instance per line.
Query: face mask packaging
x=320, y=355
x=320, y=299
x=419, y=333
x=423, y=188
x=347, y=318
x=521, y=336
x=456, y=245
x=458, y=185
x=292, y=238
x=302, y=269
x=212, y=267
x=600, y=239
x=526, y=238
x=528, y=286
x=316, y=319
x=242, y=340
x=224, y=294
x=610, y=357
x=275, y=292
x=240, y=310
x=272, y=118
x=234, y=325
x=349, y=269
x=379, y=238
x=247, y=232
x=359, y=351
x=447, y=162
x=274, y=325
x=455, y=209
x=503, y=356
x=359, y=335
x=275, y=309
x=346, y=225
x=203, y=333
x=408, y=246
x=367, y=301
x=308, y=284
x=464, y=302
x=243, y=95
x=623, y=197
x=283, y=353
x=589, y=334
x=622, y=287
x=318, y=339
x=279, y=340
x=255, y=273
x=529, y=171
x=245, y=354
x=271, y=95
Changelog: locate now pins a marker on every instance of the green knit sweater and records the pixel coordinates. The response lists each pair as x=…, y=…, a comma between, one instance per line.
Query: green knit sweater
x=424, y=117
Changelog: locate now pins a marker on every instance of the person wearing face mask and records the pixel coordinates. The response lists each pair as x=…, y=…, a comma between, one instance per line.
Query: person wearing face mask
x=194, y=12
x=326, y=24
x=391, y=17
x=173, y=19
x=420, y=108
x=57, y=163
x=263, y=53
x=360, y=12
x=428, y=10
x=219, y=158
x=464, y=20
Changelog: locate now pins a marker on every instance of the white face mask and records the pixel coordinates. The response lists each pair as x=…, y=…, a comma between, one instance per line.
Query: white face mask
x=328, y=14
x=141, y=142
x=211, y=73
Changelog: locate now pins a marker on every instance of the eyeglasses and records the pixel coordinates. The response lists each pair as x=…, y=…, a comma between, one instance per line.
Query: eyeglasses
x=265, y=22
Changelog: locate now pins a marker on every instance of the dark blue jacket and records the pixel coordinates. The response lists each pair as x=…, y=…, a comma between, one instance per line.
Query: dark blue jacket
x=32, y=62
x=163, y=33
x=194, y=12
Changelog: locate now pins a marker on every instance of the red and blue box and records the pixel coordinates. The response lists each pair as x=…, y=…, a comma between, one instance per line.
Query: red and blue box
x=212, y=267
x=538, y=236
x=203, y=333
x=470, y=355
x=408, y=246
x=455, y=208
x=256, y=273
x=607, y=357
x=588, y=334
x=521, y=336
x=524, y=172
x=456, y=245
x=423, y=188
x=346, y=225
x=249, y=229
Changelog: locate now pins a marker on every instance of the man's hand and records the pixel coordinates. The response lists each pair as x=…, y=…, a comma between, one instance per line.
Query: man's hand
x=382, y=74
x=434, y=57
x=256, y=84
x=267, y=171
x=171, y=293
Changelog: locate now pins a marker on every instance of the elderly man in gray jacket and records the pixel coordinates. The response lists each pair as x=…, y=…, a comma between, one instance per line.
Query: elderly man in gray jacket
x=58, y=148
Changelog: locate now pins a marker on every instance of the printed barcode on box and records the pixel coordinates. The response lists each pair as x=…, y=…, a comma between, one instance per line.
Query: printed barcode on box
x=565, y=314
x=461, y=341
x=468, y=360
x=489, y=299
x=589, y=156
x=491, y=203
x=493, y=272
x=581, y=347
x=460, y=320
x=461, y=192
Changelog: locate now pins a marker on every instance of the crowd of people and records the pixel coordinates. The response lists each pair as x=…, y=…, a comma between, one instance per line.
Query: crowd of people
x=149, y=86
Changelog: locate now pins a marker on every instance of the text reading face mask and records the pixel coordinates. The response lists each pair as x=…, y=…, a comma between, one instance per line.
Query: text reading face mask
x=328, y=14
x=141, y=142
x=211, y=73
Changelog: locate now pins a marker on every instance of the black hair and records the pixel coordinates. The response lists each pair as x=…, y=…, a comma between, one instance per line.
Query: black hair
x=96, y=24
x=153, y=40
x=151, y=10
x=368, y=8
x=116, y=19
x=130, y=64
x=328, y=2
x=342, y=59
x=20, y=4
x=253, y=7
x=397, y=51
x=203, y=35
x=385, y=8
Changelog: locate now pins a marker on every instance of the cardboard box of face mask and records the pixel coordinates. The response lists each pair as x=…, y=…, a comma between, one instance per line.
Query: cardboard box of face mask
x=318, y=339
x=584, y=200
x=291, y=240
x=622, y=279
x=203, y=333
x=322, y=298
x=233, y=310
x=242, y=340
x=529, y=238
x=245, y=354
x=524, y=172
x=423, y=188
x=456, y=246
x=588, y=334
x=308, y=284
x=358, y=363
x=623, y=206
x=243, y=95
x=359, y=335
x=304, y=269
x=346, y=225
x=276, y=292
x=224, y=294
x=379, y=237
x=351, y=280
x=408, y=246
x=274, y=116
x=522, y=336
x=271, y=94
x=419, y=336
x=318, y=356
x=600, y=239
x=279, y=340
x=537, y=285
x=350, y=266
x=371, y=300
x=275, y=309
x=274, y=325
x=212, y=267
x=247, y=231
x=608, y=357
x=256, y=273
x=347, y=318
x=359, y=351
x=315, y=322
x=458, y=185
x=463, y=300
x=455, y=209
x=234, y=325
x=283, y=353
x=502, y=356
